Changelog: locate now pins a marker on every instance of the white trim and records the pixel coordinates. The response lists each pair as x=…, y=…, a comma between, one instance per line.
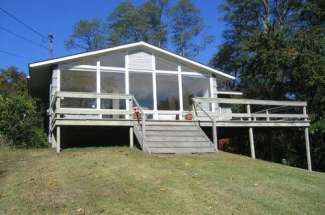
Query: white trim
x=154, y=87
x=212, y=92
x=139, y=71
x=229, y=93
x=180, y=92
x=184, y=73
x=187, y=60
x=58, y=79
x=98, y=87
x=81, y=69
x=145, y=45
x=92, y=68
x=196, y=74
x=98, y=77
x=127, y=81
x=86, y=54
x=167, y=71
x=113, y=68
x=111, y=71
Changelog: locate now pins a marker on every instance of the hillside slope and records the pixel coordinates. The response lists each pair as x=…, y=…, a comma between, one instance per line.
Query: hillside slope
x=124, y=181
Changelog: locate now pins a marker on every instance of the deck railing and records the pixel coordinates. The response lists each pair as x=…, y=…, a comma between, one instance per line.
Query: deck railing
x=265, y=110
x=132, y=110
x=140, y=123
x=197, y=107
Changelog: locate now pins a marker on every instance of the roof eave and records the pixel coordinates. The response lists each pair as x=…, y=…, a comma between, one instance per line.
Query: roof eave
x=132, y=45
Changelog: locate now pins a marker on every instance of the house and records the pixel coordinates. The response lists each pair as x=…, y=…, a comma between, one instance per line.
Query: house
x=163, y=98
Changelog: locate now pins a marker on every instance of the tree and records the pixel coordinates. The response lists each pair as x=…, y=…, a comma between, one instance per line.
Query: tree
x=276, y=49
x=87, y=35
x=308, y=73
x=12, y=82
x=256, y=26
x=19, y=122
x=155, y=11
x=187, y=29
x=129, y=23
x=19, y=118
x=126, y=24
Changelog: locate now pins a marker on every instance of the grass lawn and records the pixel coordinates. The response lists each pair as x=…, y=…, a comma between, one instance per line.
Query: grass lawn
x=125, y=181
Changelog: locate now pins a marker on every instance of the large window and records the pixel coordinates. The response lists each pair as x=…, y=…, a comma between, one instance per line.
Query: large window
x=167, y=92
x=78, y=81
x=141, y=88
x=112, y=82
x=194, y=86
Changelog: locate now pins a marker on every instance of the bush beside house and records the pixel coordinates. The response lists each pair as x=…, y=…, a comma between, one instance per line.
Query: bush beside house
x=19, y=117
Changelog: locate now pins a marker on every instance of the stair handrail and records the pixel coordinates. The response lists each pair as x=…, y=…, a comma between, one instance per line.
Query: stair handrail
x=214, y=126
x=142, y=125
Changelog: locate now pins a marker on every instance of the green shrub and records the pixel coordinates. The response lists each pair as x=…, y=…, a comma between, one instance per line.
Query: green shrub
x=39, y=138
x=19, y=122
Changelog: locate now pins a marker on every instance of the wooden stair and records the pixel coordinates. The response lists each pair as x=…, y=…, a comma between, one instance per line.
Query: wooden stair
x=175, y=137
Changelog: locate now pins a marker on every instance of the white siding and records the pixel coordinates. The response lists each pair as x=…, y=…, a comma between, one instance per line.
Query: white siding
x=140, y=60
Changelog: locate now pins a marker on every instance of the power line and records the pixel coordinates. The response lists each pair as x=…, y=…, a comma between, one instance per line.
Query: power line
x=22, y=37
x=24, y=24
x=15, y=55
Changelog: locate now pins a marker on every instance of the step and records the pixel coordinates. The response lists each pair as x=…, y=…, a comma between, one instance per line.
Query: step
x=170, y=128
x=173, y=122
x=173, y=133
x=162, y=144
x=181, y=150
x=175, y=138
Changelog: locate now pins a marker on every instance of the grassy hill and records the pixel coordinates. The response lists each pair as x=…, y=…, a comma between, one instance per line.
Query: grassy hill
x=125, y=181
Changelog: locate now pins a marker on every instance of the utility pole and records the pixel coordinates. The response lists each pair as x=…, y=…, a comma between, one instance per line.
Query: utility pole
x=50, y=45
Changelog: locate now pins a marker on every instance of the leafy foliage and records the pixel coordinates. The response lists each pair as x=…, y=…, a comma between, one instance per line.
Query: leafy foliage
x=88, y=35
x=188, y=25
x=19, y=120
x=276, y=50
x=129, y=23
x=12, y=81
x=19, y=117
x=153, y=21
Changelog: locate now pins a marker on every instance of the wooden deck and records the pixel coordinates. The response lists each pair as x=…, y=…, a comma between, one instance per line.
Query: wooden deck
x=159, y=136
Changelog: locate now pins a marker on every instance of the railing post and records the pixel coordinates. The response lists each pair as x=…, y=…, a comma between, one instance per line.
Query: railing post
x=130, y=101
x=304, y=110
x=309, y=165
x=194, y=111
x=215, y=137
x=267, y=113
x=57, y=106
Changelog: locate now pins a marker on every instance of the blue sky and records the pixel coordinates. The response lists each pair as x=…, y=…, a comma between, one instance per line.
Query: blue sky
x=59, y=16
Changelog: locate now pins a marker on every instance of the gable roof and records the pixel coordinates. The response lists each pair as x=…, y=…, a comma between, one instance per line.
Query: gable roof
x=127, y=46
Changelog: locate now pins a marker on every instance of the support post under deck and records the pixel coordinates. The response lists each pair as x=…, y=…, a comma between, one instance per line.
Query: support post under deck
x=308, y=149
x=131, y=137
x=215, y=136
x=53, y=141
x=251, y=142
x=58, y=139
x=251, y=135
